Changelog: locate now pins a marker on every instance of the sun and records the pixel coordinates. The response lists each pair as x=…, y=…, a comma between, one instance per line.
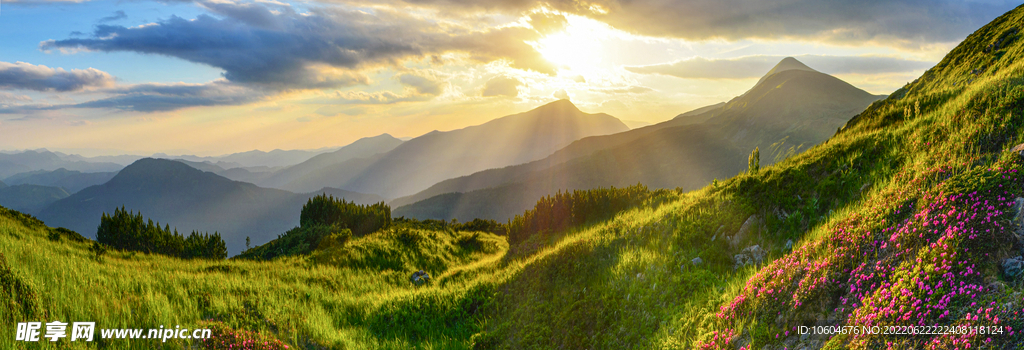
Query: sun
x=577, y=47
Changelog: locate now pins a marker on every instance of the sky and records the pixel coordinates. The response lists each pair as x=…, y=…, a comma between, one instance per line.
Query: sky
x=212, y=77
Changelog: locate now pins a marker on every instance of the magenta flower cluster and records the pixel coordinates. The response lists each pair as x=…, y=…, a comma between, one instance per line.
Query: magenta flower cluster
x=894, y=264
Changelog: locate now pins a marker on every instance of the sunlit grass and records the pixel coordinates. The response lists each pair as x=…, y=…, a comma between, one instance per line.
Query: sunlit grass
x=935, y=149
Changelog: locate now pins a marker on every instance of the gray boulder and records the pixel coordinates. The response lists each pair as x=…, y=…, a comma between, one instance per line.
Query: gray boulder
x=1018, y=149
x=789, y=246
x=752, y=255
x=744, y=232
x=419, y=278
x=697, y=261
x=1012, y=267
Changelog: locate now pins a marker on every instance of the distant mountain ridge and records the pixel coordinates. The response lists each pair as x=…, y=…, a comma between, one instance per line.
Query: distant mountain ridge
x=28, y=198
x=304, y=175
x=790, y=106
x=423, y=161
x=15, y=163
x=190, y=199
x=70, y=180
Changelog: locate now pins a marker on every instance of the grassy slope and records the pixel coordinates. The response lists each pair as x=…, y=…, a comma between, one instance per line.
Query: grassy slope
x=857, y=207
x=299, y=301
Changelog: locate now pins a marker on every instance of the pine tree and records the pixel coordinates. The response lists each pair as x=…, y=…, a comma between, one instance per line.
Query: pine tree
x=754, y=162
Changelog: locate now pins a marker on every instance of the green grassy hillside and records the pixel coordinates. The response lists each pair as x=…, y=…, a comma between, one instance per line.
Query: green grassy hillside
x=901, y=219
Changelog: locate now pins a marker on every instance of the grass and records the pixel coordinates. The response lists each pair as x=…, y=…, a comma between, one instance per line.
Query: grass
x=899, y=220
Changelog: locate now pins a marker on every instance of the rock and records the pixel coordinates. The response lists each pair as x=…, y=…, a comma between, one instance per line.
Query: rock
x=1017, y=222
x=788, y=247
x=1012, y=266
x=697, y=261
x=755, y=252
x=752, y=255
x=1018, y=218
x=1018, y=149
x=717, y=232
x=419, y=278
x=744, y=231
x=1018, y=214
x=739, y=260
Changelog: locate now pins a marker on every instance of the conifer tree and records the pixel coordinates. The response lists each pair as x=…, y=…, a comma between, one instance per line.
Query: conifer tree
x=754, y=162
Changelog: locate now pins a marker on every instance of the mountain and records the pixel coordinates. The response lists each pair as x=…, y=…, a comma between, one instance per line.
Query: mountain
x=790, y=107
x=423, y=161
x=71, y=180
x=907, y=218
x=2, y=184
x=206, y=166
x=15, y=163
x=254, y=158
x=30, y=198
x=788, y=63
x=232, y=171
x=304, y=175
x=172, y=192
x=703, y=111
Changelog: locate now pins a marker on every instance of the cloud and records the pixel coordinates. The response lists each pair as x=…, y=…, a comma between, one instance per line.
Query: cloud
x=118, y=15
x=561, y=94
x=893, y=22
x=635, y=89
x=502, y=86
x=36, y=2
x=155, y=97
x=168, y=97
x=757, y=66
x=370, y=98
x=331, y=111
x=421, y=84
x=7, y=97
x=27, y=76
x=276, y=46
x=548, y=22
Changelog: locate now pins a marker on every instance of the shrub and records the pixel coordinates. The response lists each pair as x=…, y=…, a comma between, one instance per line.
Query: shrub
x=409, y=238
x=56, y=234
x=300, y=240
x=98, y=250
x=565, y=210
x=129, y=231
x=361, y=219
x=335, y=240
x=480, y=225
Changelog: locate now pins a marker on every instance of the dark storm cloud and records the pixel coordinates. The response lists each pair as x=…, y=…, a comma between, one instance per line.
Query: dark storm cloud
x=27, y=76
x=275, y=46
x=898, y=22
x=757, y=66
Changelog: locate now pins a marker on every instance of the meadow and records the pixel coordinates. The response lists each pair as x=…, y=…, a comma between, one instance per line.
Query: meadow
x=900, y=219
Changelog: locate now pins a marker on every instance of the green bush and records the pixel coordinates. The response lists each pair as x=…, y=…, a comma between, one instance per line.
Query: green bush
x=565, y=210
x=129, y=231
x=361, y=219
x=300, y=240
